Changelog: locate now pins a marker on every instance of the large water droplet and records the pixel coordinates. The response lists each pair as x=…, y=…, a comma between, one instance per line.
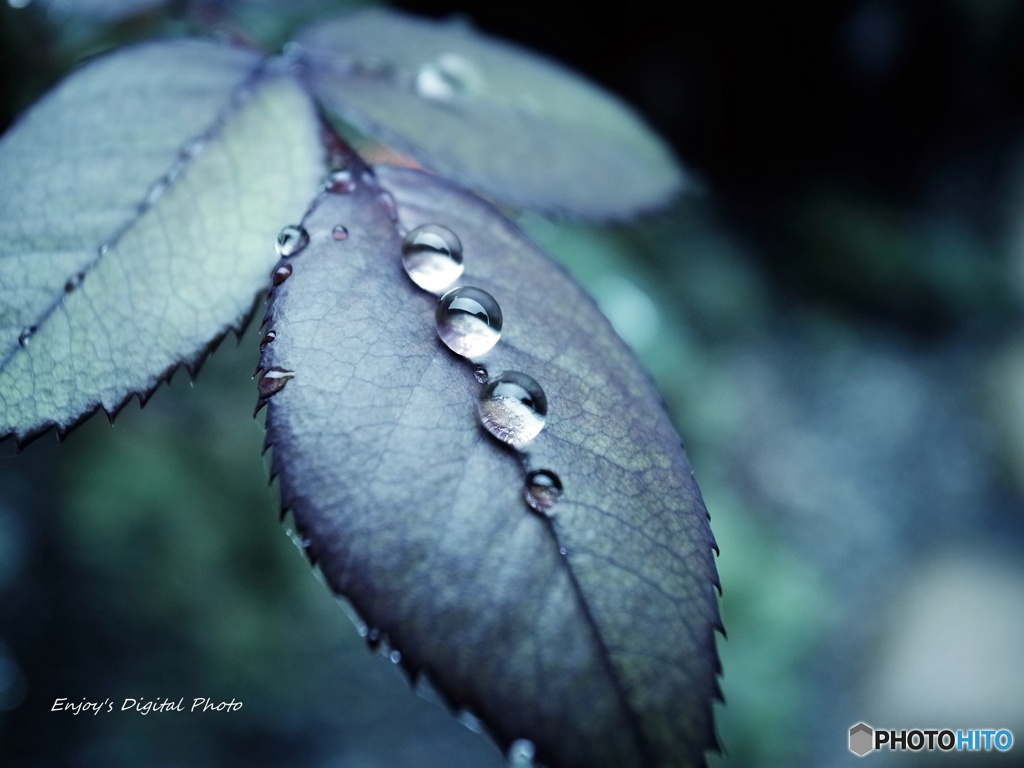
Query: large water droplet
x=291, y=240
x=468, y=320
x=340, y=232
x=513, y=407
x=273, y=380
x=432, y=256
x=281, y=274
x=447, y=77
x=542, y=490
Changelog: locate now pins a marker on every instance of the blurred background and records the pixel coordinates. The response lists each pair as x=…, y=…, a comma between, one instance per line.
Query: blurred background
x=833, y=314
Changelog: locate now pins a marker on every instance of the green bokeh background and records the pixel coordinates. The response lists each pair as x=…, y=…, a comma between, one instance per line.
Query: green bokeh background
x=837, y=335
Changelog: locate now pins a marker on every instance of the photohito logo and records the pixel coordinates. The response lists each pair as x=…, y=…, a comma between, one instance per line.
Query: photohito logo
x=865, y=739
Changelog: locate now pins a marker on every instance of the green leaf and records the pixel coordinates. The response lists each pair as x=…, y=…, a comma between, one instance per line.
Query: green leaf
x=589, y=632
x=493, y=116
x=138, y=207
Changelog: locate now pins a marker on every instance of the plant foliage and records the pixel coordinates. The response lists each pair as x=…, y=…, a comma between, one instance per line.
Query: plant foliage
x=140, y=201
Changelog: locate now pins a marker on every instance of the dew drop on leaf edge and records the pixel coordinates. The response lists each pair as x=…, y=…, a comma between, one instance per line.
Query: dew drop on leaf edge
x=281, y=274
x=521, y=754
x=542, y=490
x=513, y=407
x=291, y=240
x=432, y=257
x=273, y=380
x=468, y=320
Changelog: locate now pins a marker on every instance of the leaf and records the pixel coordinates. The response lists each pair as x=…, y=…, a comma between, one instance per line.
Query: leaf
x=493, y=116
x=140, y=200
x=601, y=656
x=106, y=10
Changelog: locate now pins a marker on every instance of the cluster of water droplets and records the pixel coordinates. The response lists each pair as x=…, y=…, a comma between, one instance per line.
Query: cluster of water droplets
x=512, y=405
x=290, y=242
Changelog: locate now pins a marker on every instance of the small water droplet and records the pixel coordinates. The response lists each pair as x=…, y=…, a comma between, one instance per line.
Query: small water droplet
x=480, y=374
x=561, y=551
x=310, y=550
x=155, y=193
x=447, y=77
x=74, y=282
x=104, y=249
x=273, y=380
x=468, y=320
x=542, y=490
x=513, y=408
x=395, y=656
x=373, y=637
x=26, y=335
x=340, y=233
x=291, y=240
x=388, y=201
x=268, y=338
x=281, y=274
x=340, y=182
x=521, y=754
x=432, y=257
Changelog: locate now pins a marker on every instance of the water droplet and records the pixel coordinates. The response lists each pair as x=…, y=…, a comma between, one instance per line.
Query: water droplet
x=74, y=282
x=480, y=374
x=542, y=490
x=447, y=77
x=432, y=256
x=340, y=182
x=521, y=754
x=281, y=274
x=468, y=320
x=561, y=551
x=310, y=550
x=104, y=249
x=388, y=201
x=155, y=193
x=373, y=637
x=340, y=233
x=395, y=656
x=513, y=407
x=273, y=380
x=267, y=339
x=291, y=240
x=26, y=335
